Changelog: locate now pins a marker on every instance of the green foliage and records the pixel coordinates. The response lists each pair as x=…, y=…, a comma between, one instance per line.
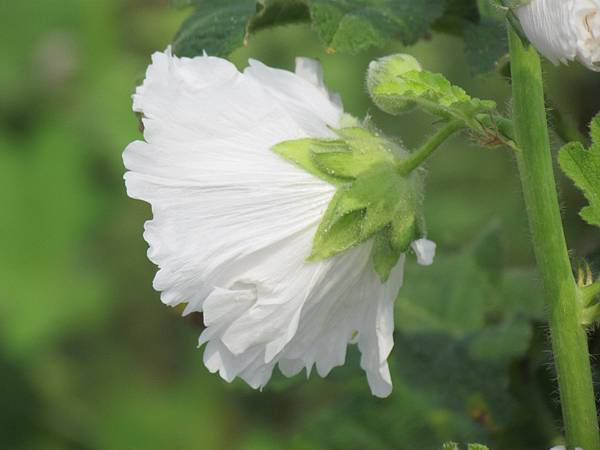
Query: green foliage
x=278, y=12
x=583, y=167
x=485, y=44
x=473, y=300
x=372, y=197
x=352, y=26
x=217, y=27
x=181, y=3
x=456, y=14
x=220, y=26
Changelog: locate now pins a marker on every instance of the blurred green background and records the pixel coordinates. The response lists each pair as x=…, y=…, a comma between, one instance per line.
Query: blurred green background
x=90, y=358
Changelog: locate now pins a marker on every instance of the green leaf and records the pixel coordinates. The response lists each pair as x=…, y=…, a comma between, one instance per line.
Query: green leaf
x=456, y=14
x=457, y=382
x=217, y=27
x=583, y=167
x=473, y=300
x=485, y=44
x=393, y=83
x=181, y=3
x=279, y=12
x=352, y=26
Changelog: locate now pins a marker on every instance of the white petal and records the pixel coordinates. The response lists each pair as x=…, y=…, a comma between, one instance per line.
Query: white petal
x=234, y=222
x=425, y=251
x=312, y=71
x=564, y=30
x=546, y=24
x=585, y=20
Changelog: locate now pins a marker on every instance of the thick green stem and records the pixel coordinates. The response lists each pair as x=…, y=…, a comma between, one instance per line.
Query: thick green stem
x=534, y=158
x=416, y=158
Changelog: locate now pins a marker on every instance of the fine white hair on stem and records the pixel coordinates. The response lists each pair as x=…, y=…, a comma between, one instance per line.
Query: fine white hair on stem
x=233, y=222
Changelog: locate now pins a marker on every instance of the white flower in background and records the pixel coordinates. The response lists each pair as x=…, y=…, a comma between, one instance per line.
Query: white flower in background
x=564, y=30
x=234, y=222
x=562, y=447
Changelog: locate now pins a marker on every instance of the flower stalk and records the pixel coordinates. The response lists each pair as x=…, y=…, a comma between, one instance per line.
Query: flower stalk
x=416, y=158
x=534, y=159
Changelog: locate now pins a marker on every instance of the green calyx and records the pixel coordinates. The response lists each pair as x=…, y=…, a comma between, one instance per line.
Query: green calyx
x=373, y=198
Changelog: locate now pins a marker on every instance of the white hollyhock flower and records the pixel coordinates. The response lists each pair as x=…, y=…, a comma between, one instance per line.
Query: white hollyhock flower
x=234, y=222
x=564, y=30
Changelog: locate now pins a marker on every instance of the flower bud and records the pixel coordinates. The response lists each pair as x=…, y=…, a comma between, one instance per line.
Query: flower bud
x=382, y=75
x=564, y=30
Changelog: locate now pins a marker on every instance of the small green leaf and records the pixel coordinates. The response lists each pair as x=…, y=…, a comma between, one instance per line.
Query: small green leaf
x=450, y=446
x=583, y=167
x=217, y=27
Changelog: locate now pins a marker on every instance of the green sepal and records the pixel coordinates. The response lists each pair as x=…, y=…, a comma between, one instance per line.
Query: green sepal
x=360, y=152
x=373, y=198
x=301, y=152
x=385, y=256
x=377, y=198
x=583, y=167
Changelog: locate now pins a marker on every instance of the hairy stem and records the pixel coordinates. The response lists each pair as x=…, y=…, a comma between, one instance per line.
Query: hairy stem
x=569, y=342
x=416, y=158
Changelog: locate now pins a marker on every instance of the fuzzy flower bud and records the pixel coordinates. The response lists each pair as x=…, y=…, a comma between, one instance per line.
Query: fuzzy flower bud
x=383, y=73
x=564, y=30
